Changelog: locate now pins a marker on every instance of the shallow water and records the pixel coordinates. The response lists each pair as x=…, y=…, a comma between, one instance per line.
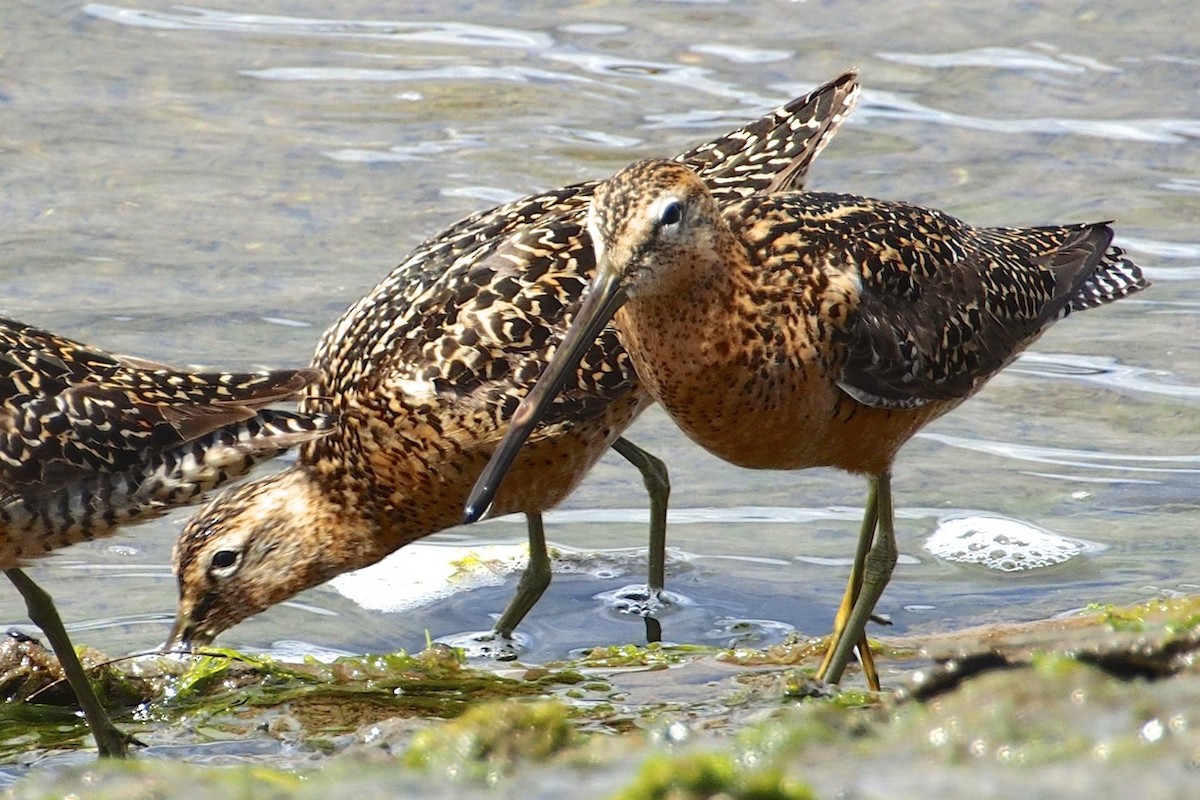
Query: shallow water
x=199, y=186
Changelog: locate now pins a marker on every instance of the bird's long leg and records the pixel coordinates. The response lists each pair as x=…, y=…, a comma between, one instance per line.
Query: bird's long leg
x=658, y=486
x=110, y=741
x=866, y=537
x=876, y=571
x=533, y=582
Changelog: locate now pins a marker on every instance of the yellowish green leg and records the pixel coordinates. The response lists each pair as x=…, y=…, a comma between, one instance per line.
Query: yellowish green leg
x=110, y=741
x=877, y=565
x=658, y=486
x=866, y=536
x=533, y=582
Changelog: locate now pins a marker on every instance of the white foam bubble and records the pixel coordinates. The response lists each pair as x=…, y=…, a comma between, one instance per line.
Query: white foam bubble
x=1002, y=544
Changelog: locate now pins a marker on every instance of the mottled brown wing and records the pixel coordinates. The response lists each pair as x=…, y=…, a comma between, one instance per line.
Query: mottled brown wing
x=70, y=409
x=39, y=354
x=491, y=334
x=942, y=306
x=40, y=517
x=937, y=321
x=432, y=255
x=774, y=151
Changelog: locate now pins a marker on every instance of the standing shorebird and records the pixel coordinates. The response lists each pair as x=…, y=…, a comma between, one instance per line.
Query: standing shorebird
x=90, y=441
x=840, y=324
x=425, y=370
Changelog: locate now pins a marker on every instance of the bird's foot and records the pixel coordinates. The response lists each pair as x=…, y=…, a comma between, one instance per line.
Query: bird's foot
x=639, y=600
x=491, y=645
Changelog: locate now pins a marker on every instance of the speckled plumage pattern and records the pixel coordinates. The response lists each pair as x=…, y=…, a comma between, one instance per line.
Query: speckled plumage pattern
x=839, y=324
x=800, y=303
x=38, y=518
x=90, y=441
x=425, y=369
x=474, y=312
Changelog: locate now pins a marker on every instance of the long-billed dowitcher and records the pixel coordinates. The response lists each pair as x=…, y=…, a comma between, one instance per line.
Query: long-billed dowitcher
x=90, y=441
x=424, y=372
x=840, y=324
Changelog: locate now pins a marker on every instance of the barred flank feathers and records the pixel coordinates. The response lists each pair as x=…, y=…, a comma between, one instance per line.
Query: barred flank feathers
x=1114, y=278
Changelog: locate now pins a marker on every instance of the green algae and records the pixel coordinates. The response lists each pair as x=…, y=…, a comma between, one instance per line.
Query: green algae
x=213, y=693
x=1065, y=703
x=31, y=673
x=1175, y=614
x=688, y=776
x=1120, y=619
x=651, y=656
x=434, y=680
x=491, y=738
x=800, y=685
x=1054, y=723
x=39, y=712
x=337, y=697
x=30, y=727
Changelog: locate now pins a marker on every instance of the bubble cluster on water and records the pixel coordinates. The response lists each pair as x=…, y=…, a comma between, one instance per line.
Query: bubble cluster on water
x=1002, y=544
x=487, y=645
x=637, y=600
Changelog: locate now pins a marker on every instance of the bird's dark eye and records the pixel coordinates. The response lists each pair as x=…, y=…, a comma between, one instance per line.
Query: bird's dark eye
x=223, y=561
x=671, y=214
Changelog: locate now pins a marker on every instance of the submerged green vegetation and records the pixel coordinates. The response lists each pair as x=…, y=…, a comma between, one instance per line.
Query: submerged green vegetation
x=1075, y=700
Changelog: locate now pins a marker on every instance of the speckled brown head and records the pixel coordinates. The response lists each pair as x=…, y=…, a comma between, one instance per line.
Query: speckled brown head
x=249, y=548
x=647, y=222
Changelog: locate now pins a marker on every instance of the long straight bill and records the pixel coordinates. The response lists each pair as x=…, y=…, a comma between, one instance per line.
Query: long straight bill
x=604, y=297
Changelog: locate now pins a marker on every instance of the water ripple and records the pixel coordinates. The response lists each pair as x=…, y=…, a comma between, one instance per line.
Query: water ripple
x=741, y=55
x=1164, y=274
x=1169, y=251
x=1001, y=58
x=490, y=195
x=1106, y=372
x=1188, y=185
x=453, y=33
x=685, y=75
x=1162, y=249
x=452, y=72
x=419, y=151
x=1067, y=457
x=894, y=106
x=575, y=135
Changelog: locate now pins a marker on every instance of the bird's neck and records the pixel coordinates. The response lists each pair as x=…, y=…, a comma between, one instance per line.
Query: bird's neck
x=688, y=330
x=387, y=486
x=694, y=311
